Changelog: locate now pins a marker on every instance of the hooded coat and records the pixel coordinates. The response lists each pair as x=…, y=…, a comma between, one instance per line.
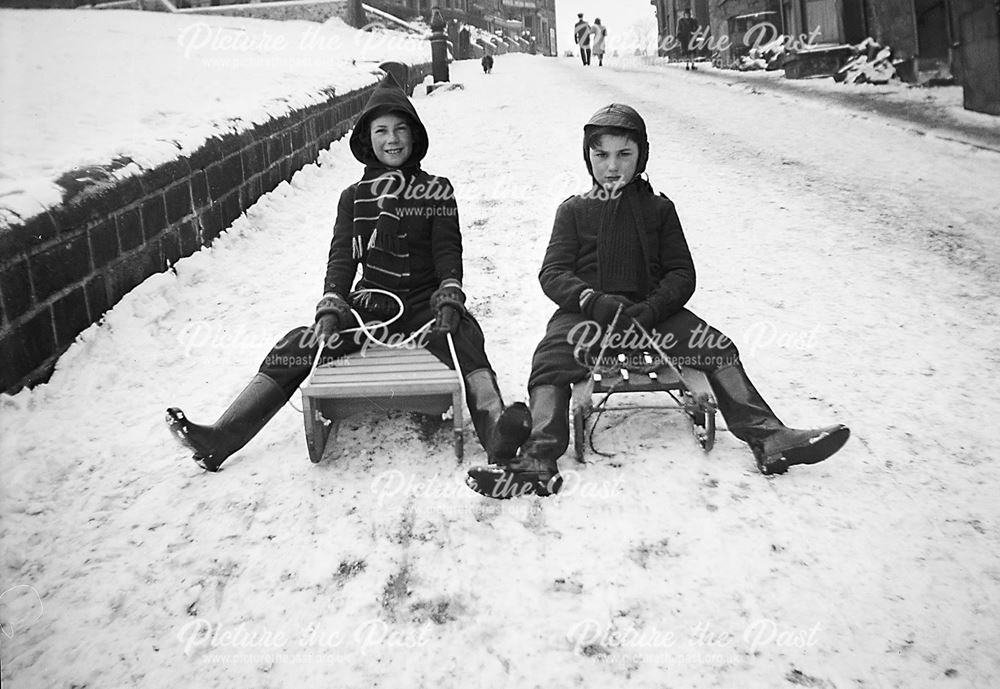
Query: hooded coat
x=427, y=209
x=578, y=258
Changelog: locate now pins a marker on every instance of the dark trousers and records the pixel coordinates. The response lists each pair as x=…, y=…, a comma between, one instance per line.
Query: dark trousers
x=585, y=55
x=686, y=338
x=290, y=360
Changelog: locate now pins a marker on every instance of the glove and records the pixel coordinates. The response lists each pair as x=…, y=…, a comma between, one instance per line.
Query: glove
x=446, y=321
x=642, y=313
x=448, y=305
x=333, y=313
x=601, y=307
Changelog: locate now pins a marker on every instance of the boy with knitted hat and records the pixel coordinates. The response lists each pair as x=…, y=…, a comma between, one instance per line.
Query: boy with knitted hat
x=618, y=255
x=400, y=224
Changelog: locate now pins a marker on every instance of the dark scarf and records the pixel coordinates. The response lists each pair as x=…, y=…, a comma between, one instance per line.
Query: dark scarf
x=621, y=253
x=379, y=240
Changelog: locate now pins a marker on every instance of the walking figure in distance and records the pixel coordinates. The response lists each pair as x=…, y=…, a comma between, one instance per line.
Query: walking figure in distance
x=687, y=27
x=600, y=36
x=582, y=32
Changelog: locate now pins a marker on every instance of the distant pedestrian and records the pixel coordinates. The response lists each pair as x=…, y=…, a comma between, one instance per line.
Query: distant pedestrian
x=583, y=31
x=687, y=27
x=487, y=63
x=600, y=35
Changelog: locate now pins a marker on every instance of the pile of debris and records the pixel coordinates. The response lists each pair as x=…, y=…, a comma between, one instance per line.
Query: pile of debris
x=871, y=64
x=770, y=56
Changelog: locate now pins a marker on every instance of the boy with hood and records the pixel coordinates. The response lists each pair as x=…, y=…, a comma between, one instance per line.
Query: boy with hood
x=401, y=225
x=617, y=255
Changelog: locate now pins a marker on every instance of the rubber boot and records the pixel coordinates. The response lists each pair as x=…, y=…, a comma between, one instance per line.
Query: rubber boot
x=534, y=471
x=248, y=413
x=775, y=446
x=501, y=430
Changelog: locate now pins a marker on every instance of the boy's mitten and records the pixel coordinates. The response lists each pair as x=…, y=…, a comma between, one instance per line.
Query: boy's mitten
x=642, y=313
x=601, y=307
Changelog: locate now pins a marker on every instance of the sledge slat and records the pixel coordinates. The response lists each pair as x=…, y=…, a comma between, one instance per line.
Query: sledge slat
x=339, y=407
x=402, y=375
x=381, y=353
x=388, y=387
x=380, y=372
x=385, y=361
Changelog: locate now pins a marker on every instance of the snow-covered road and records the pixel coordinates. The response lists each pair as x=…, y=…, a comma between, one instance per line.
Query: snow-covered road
x=854, y=263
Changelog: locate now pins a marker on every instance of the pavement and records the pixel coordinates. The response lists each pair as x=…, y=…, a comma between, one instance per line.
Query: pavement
x=934, y=111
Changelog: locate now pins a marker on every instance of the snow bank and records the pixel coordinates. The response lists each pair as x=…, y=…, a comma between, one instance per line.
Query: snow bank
x=86, y=87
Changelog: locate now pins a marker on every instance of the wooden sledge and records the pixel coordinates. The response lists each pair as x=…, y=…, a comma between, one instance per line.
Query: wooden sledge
x=407, y=379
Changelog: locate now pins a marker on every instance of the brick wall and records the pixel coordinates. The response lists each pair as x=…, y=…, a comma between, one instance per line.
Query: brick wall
x=63, y=269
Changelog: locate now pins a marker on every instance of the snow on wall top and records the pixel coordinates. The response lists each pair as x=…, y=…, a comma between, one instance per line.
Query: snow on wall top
x=85, y=87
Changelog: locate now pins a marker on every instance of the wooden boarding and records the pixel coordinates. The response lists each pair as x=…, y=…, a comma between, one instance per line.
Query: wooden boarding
x=378, y=378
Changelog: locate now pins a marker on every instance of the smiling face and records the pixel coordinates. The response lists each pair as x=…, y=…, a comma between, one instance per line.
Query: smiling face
x=392, y=139
x=613, y=158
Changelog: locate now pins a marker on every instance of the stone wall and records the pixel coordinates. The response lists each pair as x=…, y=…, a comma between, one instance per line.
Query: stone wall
x=307, y=10
x=62, y=270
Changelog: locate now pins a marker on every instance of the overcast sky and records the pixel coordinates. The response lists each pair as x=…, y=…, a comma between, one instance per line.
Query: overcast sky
x=619, y=16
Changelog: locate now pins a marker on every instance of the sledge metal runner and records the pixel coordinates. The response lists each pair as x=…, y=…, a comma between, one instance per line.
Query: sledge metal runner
x=647, y=370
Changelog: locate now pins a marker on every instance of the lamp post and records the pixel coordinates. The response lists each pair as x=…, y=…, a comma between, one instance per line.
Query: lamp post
x=439, y=47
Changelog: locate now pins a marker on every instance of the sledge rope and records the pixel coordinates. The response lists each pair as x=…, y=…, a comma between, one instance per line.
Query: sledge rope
x=593, y=369
x=454, y=360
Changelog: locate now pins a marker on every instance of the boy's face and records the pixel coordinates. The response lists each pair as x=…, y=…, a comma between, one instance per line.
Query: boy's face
x=392, y=139
x=613, y=160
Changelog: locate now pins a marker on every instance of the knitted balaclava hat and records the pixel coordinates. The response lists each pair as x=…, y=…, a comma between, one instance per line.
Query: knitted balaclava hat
x=622, y=117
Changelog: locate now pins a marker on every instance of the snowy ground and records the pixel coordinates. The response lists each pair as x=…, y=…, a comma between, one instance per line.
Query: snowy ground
x=87, y=88
x=853, y=262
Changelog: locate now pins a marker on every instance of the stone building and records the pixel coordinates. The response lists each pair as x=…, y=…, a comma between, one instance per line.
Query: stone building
x=531, y=21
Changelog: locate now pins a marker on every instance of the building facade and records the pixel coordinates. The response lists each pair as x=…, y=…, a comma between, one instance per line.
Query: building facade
x=531, y=22
x=669, y=12
x=913, y=28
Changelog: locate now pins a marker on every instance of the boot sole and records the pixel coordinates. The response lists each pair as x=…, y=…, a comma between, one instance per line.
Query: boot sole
x=500, y=484
x=177, y=423
x=820, y=448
